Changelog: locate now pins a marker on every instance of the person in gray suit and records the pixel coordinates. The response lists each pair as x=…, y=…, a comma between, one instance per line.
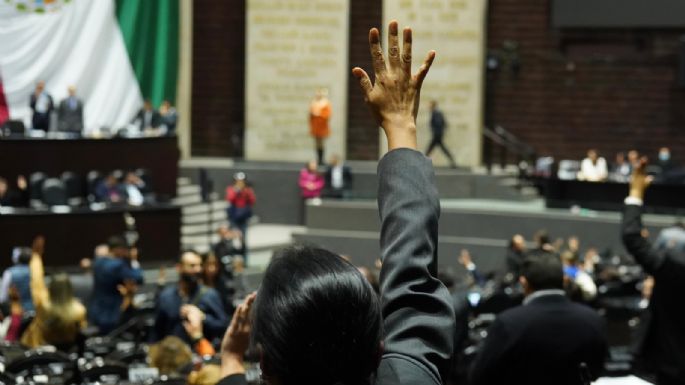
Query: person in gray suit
x=315, y=319
x=70, y=113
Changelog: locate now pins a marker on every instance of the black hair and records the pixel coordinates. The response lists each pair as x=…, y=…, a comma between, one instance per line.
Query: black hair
x=117, y=241
x=542, y=238
x=24, y=256
x=316, y=320
x=543, y=271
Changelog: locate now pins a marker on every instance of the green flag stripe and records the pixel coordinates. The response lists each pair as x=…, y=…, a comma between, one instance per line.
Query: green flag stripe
x=150, y=30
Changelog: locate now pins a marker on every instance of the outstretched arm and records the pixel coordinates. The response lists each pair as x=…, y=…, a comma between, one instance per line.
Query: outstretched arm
x=417, y=312
x=655, y=261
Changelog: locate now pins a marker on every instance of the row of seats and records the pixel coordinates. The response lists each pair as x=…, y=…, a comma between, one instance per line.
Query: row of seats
x=72, y=189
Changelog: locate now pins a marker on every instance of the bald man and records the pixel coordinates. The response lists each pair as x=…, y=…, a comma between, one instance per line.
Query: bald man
x=71, y=113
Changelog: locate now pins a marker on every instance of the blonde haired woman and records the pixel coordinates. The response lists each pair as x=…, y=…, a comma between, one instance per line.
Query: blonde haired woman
x=59, y=316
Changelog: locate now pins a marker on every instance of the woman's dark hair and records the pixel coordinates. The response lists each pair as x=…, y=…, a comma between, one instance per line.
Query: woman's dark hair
x=316, y=320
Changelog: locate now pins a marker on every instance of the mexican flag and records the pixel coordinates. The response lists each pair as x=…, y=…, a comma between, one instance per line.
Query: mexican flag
x=115, y=52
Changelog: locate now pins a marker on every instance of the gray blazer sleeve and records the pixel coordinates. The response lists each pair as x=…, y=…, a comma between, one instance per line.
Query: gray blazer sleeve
x=417, y=313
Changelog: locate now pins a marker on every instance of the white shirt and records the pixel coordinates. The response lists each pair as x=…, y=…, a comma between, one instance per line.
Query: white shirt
x=337, y=177
x=42, y=103
x=135, y=198
x=593, y=172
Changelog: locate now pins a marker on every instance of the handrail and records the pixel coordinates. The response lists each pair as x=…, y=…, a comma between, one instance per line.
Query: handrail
x=507, y=143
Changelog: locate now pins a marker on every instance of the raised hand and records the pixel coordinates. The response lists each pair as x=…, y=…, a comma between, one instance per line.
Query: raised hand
x=237, y=338
x=639, y=181
x=394, y=95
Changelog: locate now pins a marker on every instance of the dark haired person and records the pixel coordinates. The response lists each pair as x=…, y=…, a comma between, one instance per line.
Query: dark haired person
x=12, y=197
x=176, y=303
x=316, y=320
x=663, y=347
x=545, y=340
x=241, y=199
x=110, y=274
x=438, y=125
x=41, y=106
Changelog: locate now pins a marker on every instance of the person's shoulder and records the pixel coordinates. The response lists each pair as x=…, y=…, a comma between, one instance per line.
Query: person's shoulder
x=167, y=292
x=209, y=292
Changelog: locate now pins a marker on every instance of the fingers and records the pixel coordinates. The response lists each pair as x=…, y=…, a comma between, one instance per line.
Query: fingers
x=393, y=45
x=364, y=80
x=376, y=52
x=406, y=50
x=423, y=70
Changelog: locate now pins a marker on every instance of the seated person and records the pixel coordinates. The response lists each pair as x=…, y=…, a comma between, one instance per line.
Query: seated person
x=19, y=278
x=664, y=161
x=621, y=169
x=230, y=243
x=168, y=118
x=110, y=191
x=170, y=356
x=175, y=303
x=10, y=317
x=60, y=317
x=134, y=187
x=311, y=182
x=11, y=197
x=593, y=168
x=111, y=273
x=208, y=375
x=338, y=179
x=579, y=284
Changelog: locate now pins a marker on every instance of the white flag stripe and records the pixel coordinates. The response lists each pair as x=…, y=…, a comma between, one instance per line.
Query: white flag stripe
x=79, y=44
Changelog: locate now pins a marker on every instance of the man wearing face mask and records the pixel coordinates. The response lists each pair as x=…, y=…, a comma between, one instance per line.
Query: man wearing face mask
x=188, y=299
x=665, y=162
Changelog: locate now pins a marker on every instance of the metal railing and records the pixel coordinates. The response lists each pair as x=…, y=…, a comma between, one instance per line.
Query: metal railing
x=501, y=146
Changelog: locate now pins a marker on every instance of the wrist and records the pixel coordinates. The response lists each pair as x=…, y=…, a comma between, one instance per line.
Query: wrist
x=231, y=363
x=400, y=134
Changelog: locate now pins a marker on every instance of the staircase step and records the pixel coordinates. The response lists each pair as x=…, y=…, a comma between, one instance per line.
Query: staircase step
x=217, y=216
x=199, y=208
x=187, y=200
x=186, y=190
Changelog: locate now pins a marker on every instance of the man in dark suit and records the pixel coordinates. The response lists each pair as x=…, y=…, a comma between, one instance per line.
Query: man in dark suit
x=41, y=106
x=663, y=346
x=110, y=274
x=70, y=113
x=147, y=117
x=545, y=340
x=338, y=179
x=438, y=125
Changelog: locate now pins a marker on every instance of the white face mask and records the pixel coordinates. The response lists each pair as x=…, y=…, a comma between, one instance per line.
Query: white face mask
x=664, y=156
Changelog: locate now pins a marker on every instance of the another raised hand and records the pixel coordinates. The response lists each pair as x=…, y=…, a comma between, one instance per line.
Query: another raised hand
x=639, y=181
x=237, y=339
x=394, y=95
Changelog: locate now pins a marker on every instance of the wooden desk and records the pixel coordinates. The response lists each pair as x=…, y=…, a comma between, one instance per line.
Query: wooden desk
x=72, y=236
